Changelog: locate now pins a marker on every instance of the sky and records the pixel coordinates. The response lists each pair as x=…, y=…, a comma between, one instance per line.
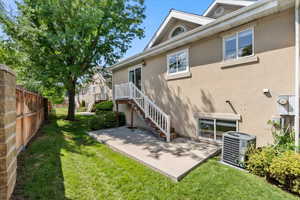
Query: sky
x=156, y=11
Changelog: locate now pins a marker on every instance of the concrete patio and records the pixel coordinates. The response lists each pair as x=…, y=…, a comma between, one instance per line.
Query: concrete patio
x=173, y=159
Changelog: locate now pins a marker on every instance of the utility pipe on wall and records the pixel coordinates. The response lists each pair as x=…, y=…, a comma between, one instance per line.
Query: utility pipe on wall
x=297, y=63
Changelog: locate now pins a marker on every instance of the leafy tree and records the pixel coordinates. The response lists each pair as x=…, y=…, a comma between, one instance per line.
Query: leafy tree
x=1, y=6
x=67, y=39
x=20, y=63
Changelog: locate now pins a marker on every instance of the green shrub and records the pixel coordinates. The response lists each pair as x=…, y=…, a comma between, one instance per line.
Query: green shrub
x=101, y=112
x=106, y=119
x=97, y=122
x=285, y=169
x=104, y=106
x=284, y=137
x=110, y=119
x=259, y=160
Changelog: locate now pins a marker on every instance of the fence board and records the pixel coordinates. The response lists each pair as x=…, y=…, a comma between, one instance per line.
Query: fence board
x=30, y=110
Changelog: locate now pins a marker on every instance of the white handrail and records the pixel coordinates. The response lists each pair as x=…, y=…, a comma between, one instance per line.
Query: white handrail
x=152, y=111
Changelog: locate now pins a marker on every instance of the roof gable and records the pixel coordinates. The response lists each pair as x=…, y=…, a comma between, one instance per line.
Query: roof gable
x=230, y=5
x=177, y=15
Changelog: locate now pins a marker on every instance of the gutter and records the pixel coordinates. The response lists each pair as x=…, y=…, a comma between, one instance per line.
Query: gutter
x=297, y=63
x=241, y=16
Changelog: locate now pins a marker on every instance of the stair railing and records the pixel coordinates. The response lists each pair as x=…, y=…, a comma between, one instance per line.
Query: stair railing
x=150, y=109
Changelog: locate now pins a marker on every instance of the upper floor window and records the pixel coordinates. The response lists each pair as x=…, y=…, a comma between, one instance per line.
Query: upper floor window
x=238, y=45
x=178, y=30
x=178, y=62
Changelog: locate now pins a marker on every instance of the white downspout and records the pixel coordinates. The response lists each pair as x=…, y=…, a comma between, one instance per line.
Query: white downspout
x=297, y=62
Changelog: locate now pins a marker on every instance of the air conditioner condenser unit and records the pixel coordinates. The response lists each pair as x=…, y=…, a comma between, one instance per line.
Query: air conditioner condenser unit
x=235, y=147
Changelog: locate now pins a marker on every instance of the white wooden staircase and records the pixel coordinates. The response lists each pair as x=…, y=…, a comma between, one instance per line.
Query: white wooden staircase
x=153, y=115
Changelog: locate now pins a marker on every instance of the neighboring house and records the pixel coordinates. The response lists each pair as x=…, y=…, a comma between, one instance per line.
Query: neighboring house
x=201, y=76
x=97, y=91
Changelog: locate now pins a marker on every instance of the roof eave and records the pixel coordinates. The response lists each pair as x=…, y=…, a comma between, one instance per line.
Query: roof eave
x=244, y=15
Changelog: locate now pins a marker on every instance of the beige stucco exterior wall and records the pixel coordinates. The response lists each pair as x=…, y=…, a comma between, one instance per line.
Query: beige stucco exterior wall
x=211, y=85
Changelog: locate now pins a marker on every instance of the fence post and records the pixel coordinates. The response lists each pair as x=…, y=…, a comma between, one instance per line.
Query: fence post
x=8, y=163
x=46, y=112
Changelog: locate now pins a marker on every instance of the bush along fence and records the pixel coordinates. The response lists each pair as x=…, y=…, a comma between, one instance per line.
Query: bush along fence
x=21, y=115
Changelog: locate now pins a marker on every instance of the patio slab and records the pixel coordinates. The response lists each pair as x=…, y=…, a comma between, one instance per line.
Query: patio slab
x=174, y=159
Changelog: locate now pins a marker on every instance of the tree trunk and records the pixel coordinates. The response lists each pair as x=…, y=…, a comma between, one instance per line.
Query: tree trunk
x=71, y=96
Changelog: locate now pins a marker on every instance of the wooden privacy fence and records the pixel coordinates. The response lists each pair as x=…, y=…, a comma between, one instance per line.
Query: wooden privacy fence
x=21, y=115
x=32, y=109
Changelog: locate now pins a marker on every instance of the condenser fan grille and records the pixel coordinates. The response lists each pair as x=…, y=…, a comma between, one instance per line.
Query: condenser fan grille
x=231, y=150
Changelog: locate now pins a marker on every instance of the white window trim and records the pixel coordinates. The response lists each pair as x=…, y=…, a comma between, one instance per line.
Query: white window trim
x=186, y=51
x=134, y=68
x=237, y=44
x=215, y=128
x=173, y=29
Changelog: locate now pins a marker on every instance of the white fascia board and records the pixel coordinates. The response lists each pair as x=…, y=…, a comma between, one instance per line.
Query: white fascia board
x=197, y=19
x=244, y=15
x=182, y=16
x=229, y=2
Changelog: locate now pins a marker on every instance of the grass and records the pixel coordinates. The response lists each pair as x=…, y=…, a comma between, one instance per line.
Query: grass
x=62, y=162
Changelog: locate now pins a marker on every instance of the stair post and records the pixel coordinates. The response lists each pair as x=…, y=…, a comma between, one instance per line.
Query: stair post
x=168, y=129
x=146, y=106
x=130, y=90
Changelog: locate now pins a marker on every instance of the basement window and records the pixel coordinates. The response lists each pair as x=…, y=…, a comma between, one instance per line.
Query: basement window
x=213, y=129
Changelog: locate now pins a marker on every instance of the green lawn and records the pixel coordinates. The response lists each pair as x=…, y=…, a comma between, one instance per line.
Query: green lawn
x=64, y=163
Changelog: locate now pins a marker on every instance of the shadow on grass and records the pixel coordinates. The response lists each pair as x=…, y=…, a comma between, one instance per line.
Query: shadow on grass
x=62, y=162
x=40, y=174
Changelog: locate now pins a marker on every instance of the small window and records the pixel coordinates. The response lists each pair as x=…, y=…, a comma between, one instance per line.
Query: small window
x=239, y=45
x=214, y=129
x=178, y=30
x=178, y=62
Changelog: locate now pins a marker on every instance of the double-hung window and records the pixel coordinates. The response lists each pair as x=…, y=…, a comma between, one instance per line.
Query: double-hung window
x=239, y=45
x=178, y=62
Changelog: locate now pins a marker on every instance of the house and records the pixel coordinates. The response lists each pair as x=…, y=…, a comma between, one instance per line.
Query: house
x=98, y=90
x=203, y=75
